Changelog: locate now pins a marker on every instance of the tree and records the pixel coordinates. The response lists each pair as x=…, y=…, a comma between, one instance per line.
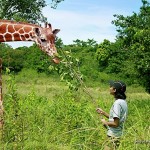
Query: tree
x=24, y=10
x=103, y=54
x=55, y=3
x=134, y=31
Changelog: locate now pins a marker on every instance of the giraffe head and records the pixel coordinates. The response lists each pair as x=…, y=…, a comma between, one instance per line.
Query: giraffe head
x=45, y=39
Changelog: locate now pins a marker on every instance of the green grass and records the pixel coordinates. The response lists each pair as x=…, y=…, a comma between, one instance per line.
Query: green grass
x=42, y=114
x=41, y=84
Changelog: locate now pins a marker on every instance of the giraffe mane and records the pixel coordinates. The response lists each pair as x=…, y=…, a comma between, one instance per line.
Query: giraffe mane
x=17, y=22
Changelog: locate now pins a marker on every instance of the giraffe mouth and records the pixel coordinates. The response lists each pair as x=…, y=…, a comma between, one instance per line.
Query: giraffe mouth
x=56, y=60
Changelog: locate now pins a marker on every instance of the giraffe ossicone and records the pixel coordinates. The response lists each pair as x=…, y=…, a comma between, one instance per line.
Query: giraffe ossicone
x=44, y=37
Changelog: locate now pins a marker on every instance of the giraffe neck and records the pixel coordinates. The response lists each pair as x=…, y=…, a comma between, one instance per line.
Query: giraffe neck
x=15, y=31
x=44, y=37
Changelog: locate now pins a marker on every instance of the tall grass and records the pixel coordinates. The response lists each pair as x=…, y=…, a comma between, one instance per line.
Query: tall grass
x=66, y=120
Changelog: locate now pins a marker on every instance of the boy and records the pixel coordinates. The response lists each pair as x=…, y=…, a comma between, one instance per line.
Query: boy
x=118, y=113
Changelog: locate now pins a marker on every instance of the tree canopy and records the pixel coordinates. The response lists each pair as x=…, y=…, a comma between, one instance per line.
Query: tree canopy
x=129, y=55
x=24, y=10
x=134, y=31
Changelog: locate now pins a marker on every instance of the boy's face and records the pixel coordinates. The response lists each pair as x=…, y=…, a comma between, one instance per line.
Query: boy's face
x=112, y=90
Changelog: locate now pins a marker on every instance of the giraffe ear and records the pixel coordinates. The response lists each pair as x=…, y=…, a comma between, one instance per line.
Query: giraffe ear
x=55, y=31
x=37, y=31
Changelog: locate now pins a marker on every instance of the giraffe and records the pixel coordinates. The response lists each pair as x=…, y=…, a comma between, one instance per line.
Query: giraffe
x=44, y=37
x=18, y=31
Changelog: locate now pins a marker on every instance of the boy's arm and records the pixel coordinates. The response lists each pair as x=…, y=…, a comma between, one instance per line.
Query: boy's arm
x=106, y=114
x=114, y=124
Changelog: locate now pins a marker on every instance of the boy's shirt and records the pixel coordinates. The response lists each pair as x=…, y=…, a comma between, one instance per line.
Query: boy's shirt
x=118, y=110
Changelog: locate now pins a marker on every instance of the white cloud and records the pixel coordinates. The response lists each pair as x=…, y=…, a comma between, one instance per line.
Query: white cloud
x=78, y=25
x=81, y=25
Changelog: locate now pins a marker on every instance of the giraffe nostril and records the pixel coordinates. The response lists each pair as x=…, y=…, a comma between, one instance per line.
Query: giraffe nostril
x=43, y=40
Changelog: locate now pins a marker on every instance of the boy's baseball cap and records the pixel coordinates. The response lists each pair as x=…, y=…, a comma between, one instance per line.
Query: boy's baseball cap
x=120, y=86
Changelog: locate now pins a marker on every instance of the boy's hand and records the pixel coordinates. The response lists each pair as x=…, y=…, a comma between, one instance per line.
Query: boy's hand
x=100, y=111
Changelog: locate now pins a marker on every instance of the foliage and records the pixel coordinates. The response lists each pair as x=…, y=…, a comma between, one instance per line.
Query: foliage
x=34, y=58
x=103, y=54
x=24, y=57
x=11, y=59
x=69, y=121
x=128, y=56
x=23, y=129
x=22, y=10
x=76, y=66
x=113, y=58
x=55, y=3
x=68, y=70
x=25, y=10
x=135, y=33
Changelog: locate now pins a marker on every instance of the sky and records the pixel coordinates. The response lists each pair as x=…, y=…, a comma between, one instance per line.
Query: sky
x=86, y=19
